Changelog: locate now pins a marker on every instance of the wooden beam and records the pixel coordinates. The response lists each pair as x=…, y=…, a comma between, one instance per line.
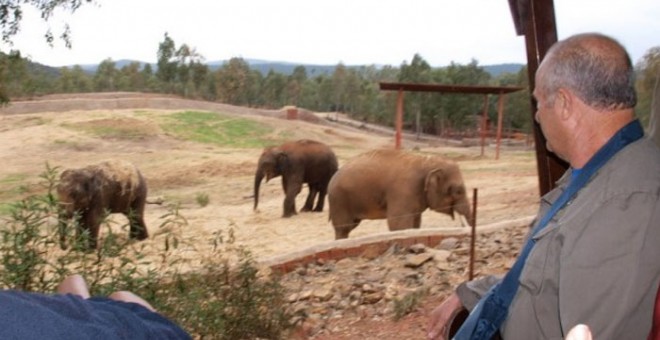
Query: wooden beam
x=540, y=31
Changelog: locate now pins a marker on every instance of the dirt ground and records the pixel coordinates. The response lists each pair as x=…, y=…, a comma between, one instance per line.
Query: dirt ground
x=182, y=171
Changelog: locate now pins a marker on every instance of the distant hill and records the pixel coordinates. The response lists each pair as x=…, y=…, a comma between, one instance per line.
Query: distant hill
x=497, y=69
x=286, y=68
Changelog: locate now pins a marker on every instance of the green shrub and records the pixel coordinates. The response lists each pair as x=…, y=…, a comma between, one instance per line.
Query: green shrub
x=202, y=199
x=224, y=298
x=408, y=303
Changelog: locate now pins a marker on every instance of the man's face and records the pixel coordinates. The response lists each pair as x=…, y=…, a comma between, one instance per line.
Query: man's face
x=547, y=114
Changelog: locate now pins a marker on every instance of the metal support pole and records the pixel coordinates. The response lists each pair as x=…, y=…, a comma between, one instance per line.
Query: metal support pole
x=399, y=120
x=484, y=124
x=474, y=234
x=500, y=116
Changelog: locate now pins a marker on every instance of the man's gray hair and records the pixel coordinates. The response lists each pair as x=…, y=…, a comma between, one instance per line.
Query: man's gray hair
x=595, y=67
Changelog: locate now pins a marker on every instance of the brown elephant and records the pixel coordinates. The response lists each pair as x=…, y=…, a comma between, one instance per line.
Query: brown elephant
x=298, y=162
x=395, y=185
x=111, y=186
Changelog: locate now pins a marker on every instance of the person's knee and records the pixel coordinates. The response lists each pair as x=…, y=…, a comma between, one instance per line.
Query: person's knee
x=127, y=296
x=74, y=284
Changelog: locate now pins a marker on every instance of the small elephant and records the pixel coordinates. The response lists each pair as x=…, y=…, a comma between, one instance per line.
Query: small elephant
x=395, y=185
x=111, y=186
x=298, y=162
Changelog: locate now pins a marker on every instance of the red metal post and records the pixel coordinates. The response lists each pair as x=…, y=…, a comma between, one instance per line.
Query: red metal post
x=500, y=114
x=474, y=234
x=484, y=124
x=399, y=119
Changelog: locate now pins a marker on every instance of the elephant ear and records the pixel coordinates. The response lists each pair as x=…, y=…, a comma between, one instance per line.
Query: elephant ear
x=434, y=179
x=439, y=191
x=281, y=162
x=89, y=187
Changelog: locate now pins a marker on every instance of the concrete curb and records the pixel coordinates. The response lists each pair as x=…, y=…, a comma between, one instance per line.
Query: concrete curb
x=377, y=244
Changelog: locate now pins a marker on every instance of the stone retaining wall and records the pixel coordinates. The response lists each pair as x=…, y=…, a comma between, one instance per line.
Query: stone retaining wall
x=374, y=245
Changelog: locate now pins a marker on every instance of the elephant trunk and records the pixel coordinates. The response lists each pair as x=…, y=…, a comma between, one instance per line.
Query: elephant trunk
x=258, y=177
x=463, y=208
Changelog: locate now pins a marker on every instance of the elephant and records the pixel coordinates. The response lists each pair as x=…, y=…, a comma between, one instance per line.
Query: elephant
x=298, y=162
x=88, y=193
x=396, y=185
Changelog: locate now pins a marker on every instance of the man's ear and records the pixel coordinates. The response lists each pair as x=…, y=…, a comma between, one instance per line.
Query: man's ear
x=564, y=99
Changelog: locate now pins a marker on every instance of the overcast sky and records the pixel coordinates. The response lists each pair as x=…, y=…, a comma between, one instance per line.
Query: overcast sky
x=385, y=32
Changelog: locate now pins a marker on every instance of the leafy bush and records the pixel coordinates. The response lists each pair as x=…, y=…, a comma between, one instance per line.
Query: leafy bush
x=202, y=199
x=224, y=298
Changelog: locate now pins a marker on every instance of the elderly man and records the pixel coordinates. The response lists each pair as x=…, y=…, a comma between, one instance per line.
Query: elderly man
x=593, y=254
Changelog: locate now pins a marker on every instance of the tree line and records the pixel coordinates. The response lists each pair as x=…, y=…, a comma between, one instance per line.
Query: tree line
x=181, y=70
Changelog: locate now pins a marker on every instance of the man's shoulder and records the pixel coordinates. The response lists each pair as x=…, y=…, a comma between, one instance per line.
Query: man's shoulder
x=637, y=165
x=642, y=152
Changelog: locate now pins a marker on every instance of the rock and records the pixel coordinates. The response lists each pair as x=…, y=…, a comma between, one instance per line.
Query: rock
x=323, y=294
x=440, y=255
x=414, y=261
x=448, y=243
x=372, y=298
x=363, y=287
x=417, y=248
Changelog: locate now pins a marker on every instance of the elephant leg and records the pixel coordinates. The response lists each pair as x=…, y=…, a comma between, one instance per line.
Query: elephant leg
x=343, y=229
x=400, y=221
x=321, y=201
x=138, y=229
x=309, y=202
x=293, y=189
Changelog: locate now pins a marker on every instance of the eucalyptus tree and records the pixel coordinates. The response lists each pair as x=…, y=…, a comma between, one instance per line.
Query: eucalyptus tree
x=106, y=76
x=233, y=82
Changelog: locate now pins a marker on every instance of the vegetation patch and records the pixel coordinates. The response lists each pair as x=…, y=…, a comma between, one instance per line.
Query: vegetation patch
x=218, y=129
x=218, y=295
x=11, y=186
x=117, y=128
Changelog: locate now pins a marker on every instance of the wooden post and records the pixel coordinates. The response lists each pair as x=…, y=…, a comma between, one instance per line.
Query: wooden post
x=500, y=116
x=484, y=124
x=399, y=120
x=540, y=32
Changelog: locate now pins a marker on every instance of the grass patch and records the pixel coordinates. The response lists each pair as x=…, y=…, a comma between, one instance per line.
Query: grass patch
x=116, y=128
x=218, y=129
x=408, y=303
x=11, y=186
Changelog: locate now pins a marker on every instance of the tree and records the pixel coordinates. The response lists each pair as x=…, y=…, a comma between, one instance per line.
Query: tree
x=233, y=82
x=416, y=104
x=167, y=64
x=273, y=88
x=106, y=76
x=11, y=15
x=73, y=80
x=14, y=73
x=130, y=78
x=295, y=85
